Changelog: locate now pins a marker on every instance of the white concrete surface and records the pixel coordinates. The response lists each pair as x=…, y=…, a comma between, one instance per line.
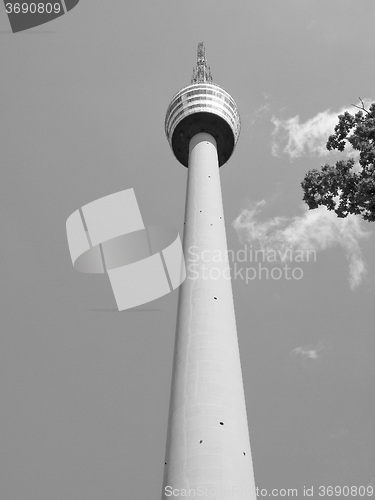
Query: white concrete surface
x=208, y=450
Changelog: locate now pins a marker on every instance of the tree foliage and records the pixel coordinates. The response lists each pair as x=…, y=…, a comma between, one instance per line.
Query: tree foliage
x=339, y=187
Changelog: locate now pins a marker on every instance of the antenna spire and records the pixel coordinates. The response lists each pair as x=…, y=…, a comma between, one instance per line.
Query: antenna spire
x=202, y=72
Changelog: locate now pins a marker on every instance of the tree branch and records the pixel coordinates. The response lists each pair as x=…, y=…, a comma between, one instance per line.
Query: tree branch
x=363, y=107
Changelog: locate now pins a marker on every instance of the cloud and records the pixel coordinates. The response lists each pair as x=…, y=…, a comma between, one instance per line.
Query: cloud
x=339, y=432
x=313, y=231
x=309, y=352
x=259, y=113
x=297, y=139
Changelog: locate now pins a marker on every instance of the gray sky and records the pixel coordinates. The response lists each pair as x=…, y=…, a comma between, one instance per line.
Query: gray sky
x=85, y=389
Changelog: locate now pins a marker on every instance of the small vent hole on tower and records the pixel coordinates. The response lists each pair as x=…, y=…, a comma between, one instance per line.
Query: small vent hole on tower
x=221, y=423
x=215, y=298
x=165, y=463
x=200, y=442
x=200, y=211
x=211, y=224
x=220, y=217
x=209, y=177
x=244, y=454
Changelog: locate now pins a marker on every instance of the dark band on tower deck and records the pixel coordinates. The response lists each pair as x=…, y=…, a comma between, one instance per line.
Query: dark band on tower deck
x=203, y=106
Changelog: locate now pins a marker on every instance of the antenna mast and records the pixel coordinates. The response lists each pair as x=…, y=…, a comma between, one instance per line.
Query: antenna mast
x=202, y=72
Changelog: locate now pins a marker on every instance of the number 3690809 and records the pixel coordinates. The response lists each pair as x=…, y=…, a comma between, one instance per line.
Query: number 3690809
x=33, y=8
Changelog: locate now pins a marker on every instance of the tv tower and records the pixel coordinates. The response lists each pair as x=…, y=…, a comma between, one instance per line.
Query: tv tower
x=208, y=451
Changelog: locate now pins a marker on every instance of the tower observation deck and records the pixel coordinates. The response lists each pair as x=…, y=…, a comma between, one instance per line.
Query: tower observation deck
x=202, y=106
x=208, y=451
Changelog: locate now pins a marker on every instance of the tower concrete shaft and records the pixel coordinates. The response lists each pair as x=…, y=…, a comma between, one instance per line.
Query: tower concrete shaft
x=208, y=451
